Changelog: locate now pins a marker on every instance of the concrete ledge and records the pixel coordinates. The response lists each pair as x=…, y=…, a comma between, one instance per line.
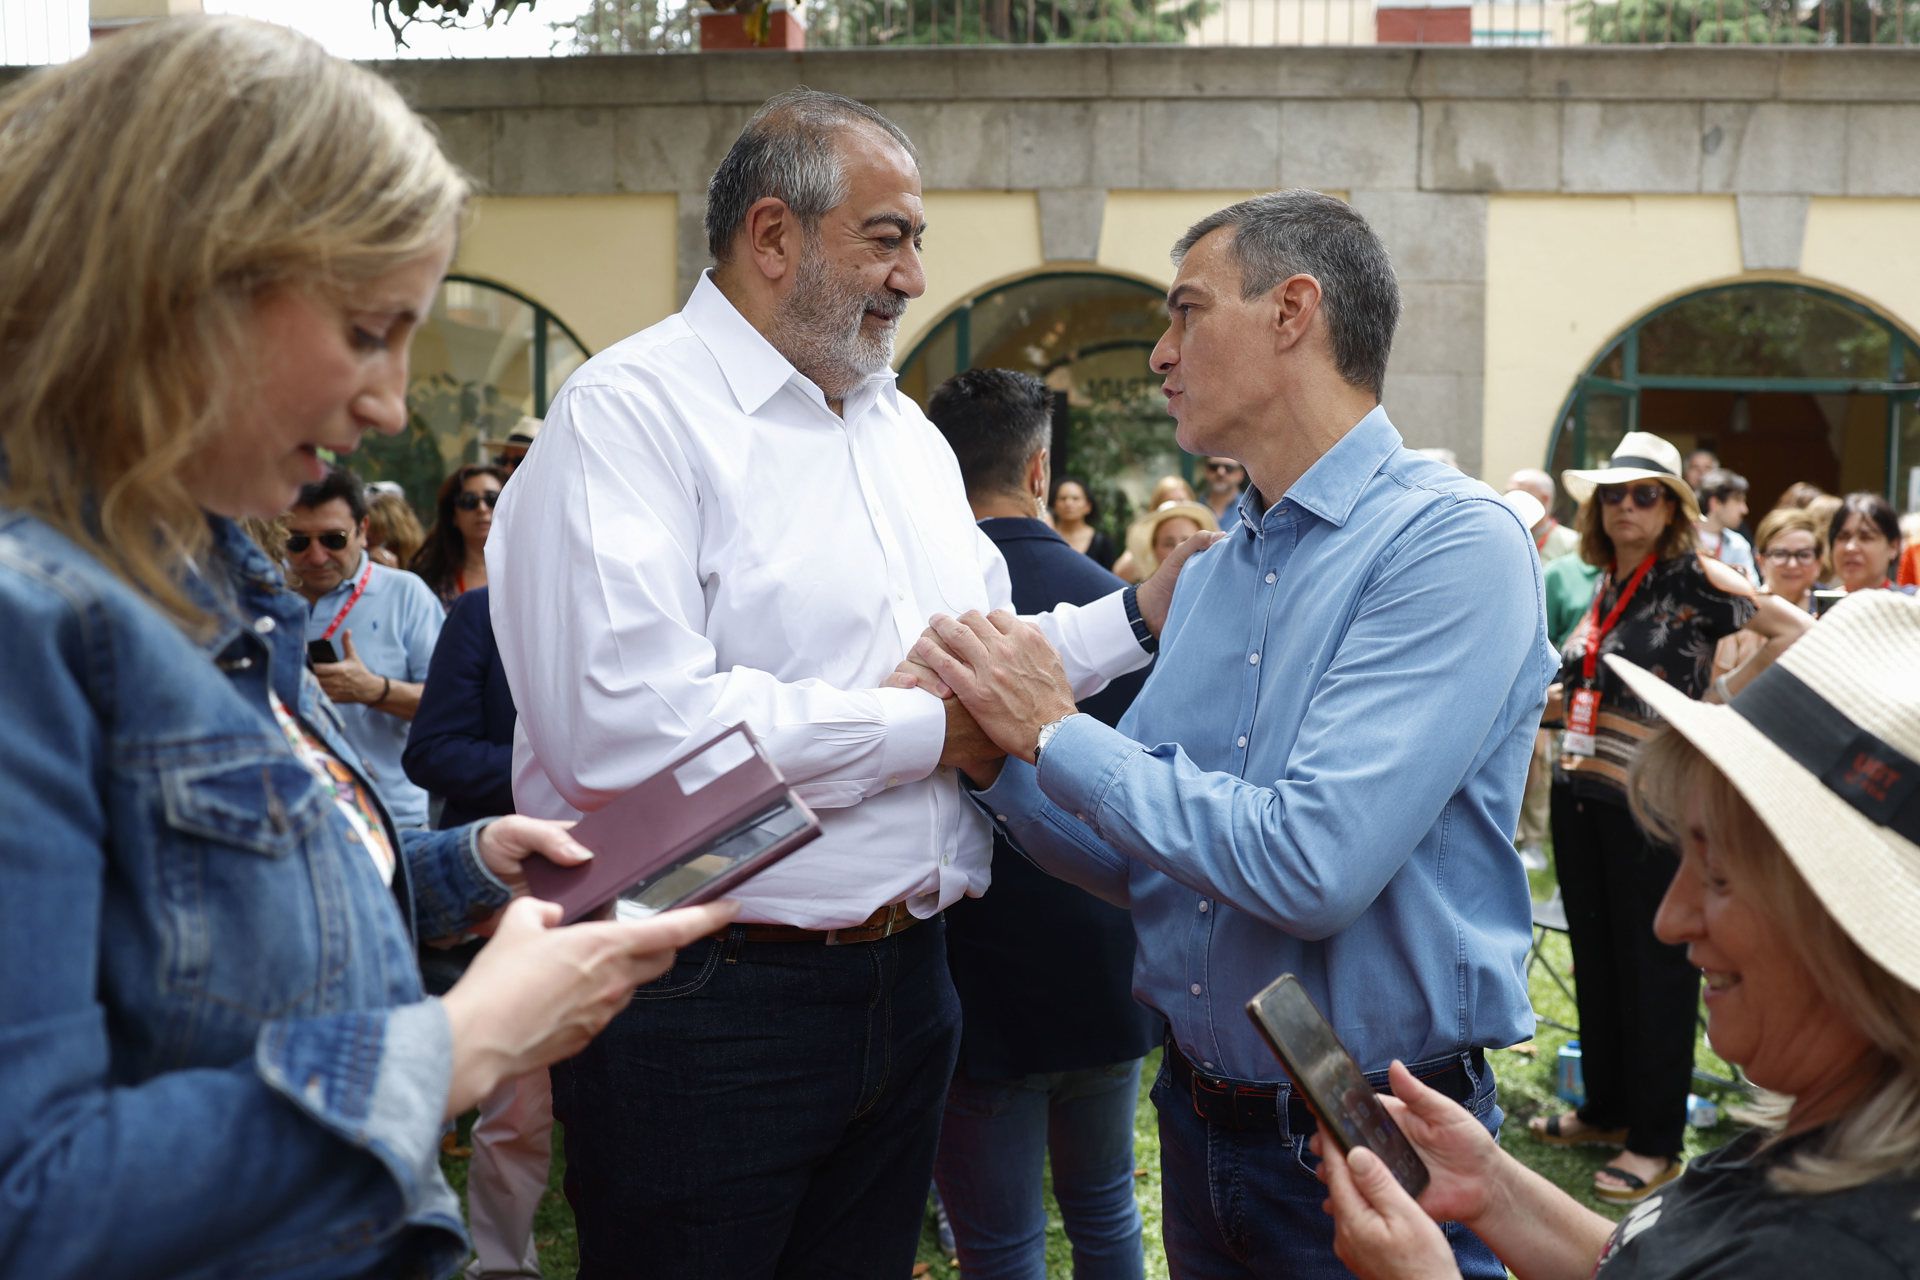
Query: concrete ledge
x=1597, y=73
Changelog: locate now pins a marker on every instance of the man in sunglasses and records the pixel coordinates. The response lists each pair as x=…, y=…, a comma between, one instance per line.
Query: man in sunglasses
x=370, y=631
x=1225, y=479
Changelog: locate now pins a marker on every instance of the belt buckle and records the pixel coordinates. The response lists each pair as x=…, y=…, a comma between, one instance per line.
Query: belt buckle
x=870, y=932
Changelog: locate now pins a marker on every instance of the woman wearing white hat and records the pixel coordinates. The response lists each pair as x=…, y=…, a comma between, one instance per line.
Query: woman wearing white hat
x=1665, y=607
x=1797, y=810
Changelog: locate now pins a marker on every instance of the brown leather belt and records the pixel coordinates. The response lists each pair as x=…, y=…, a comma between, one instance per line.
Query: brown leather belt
x=884, y=923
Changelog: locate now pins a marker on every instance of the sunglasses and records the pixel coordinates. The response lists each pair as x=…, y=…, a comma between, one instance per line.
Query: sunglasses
x=334, y=541
x=1223, y=466
x=505, y=463
x=1645, y=496
x=1806, y=555
x=471, y=501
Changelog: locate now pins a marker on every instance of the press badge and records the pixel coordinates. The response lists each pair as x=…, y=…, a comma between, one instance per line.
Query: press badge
x=1583, y=714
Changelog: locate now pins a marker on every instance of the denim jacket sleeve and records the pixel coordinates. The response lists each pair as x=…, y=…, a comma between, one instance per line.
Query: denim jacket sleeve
x=452, y=888
x=125, y=1148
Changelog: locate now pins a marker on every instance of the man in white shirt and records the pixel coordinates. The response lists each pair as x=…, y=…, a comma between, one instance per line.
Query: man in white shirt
x=735, y=516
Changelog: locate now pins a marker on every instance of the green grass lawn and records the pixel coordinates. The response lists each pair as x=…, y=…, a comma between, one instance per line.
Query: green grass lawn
x=1526, y=1076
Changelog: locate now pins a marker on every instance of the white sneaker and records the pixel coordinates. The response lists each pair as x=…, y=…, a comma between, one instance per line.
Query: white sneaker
x=1533, y=858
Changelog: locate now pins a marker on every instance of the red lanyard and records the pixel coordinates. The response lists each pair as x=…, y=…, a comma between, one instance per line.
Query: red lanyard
x=352, y=600
x=1597, y=631
x=1540, y=543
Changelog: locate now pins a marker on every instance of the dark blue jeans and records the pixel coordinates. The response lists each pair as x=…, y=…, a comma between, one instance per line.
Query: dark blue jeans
x=1245, y=1204
x=999, y=1137
x=763, y=1110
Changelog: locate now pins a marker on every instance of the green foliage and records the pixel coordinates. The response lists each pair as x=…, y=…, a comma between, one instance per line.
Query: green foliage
x=1749, y=21
x=630, y=26
x=401, y=14
x=925, y=22
x=1109, y=440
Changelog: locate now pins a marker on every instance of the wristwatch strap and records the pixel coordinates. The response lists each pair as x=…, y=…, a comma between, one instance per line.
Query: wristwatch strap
x=1046, y=735
x=1130, y=601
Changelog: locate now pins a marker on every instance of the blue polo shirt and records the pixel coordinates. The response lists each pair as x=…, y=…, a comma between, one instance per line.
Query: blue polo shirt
x=1323, y=773
x=395, y=624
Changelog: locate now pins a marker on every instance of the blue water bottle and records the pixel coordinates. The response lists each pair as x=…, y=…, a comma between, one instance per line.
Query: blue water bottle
x=1568, y=1082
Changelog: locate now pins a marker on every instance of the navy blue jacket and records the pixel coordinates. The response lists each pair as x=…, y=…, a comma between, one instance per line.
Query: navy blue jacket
x=461, y=744
x=1044, y=969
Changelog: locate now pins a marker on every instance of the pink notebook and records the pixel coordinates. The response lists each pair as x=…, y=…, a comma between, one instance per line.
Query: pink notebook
x=711, y=819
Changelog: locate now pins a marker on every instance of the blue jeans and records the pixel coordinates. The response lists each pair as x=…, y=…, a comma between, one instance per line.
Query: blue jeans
x=1246, y=1204
x=763, y=1109
x=997, y=1139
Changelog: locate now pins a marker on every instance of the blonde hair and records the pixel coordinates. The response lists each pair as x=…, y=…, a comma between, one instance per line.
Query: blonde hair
x=150, y=192
x=392, y=524
x=1789, y=520
x=1880, y=1136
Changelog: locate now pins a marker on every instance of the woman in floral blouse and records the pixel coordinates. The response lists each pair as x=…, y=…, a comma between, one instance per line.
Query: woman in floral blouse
x=1666, y=608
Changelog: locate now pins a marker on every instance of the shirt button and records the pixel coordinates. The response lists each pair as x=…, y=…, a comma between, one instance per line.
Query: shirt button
x=1208, y=1066
x=263, y=626
x=1253, y=659
x=1080, y=816
x=999, y=817
x=1272, y=577
x=1241, y=741
x=893, y=782
x=1205, y=906
x=1194, y=989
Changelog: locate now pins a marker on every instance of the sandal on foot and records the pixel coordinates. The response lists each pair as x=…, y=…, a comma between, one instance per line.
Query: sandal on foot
x=1636, y=1188
x=1550, y=1130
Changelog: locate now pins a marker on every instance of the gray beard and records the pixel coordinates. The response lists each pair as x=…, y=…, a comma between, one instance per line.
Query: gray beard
x=818, y=328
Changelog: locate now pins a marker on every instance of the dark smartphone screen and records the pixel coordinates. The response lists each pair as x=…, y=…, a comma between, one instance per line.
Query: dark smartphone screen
x=1331, y=1081
x=321, y=651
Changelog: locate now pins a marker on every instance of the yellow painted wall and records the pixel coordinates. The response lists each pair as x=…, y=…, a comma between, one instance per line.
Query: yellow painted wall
x=116, y=11
x=975, y=239
x=1860, y=247
x=604, y=264
x=1141, y=226
x=1564, y=275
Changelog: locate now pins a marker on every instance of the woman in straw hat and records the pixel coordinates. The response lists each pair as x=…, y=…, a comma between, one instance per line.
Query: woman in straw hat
x=1152, y=537
x=215, y=1057
x=1665, y=607
x=1797, y=812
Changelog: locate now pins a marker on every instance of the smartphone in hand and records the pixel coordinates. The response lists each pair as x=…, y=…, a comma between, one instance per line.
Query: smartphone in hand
x=1330, y=1081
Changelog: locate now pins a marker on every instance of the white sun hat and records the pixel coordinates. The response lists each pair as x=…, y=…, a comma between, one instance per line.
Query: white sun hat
x=1825, y=745
x=1524, y=505
x=1641, y=455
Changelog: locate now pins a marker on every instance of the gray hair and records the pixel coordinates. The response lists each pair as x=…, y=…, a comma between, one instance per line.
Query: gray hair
x=1292, y=233
x=790, y=151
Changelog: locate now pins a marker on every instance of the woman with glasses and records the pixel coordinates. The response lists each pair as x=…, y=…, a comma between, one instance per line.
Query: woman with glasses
x=454, y=560
x=215, y=1055
x=1792, y=547
x=1665, y=607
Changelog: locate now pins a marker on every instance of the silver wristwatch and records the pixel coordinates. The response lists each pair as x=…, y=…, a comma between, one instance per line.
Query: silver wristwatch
x=1046, y=735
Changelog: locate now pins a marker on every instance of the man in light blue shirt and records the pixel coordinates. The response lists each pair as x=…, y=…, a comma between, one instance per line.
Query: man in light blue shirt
x=1323, y=774
x=380, y=623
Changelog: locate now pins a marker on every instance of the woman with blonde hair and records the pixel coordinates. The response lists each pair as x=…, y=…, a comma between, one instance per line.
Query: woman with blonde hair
x=1152, y=538
x=394, y=535
x=1798, y=898
x=215, y=242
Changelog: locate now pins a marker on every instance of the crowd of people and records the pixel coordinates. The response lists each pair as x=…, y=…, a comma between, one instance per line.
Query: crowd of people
x=276, y=757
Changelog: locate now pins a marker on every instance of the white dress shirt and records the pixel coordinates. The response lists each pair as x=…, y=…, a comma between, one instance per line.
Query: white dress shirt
x=697, y=540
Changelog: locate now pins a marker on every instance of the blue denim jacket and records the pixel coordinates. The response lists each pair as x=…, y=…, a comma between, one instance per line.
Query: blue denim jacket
x=215, y=1058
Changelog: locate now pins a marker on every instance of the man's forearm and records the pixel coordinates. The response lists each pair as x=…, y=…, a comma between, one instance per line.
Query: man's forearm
x=399, y=698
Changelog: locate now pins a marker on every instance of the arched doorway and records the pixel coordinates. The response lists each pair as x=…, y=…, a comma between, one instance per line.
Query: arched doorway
x=1783, y=381
x=1088, y=335
x=485, y=356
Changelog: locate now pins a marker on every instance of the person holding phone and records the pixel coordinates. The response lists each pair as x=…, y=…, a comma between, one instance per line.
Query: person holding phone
x=215, y=1056
x=371, y=631
x=1794, y=896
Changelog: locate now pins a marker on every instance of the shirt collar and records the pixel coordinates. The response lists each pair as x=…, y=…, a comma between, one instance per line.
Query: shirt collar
x=753, y=367
x=1332, y=486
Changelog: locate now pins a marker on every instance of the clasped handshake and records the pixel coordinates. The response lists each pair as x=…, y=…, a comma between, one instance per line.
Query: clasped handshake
x=1001, y=678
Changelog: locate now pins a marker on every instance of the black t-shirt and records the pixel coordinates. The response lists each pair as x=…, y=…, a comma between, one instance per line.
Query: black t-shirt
x=1720, y=1220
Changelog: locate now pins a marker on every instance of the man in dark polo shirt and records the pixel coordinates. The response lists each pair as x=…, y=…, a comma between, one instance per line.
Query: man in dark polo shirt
x=1051, y=1036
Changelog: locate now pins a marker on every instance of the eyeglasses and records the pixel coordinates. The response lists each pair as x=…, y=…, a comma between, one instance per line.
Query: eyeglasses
x=505, y=463
x=1223, y=466
x=1645, y=496
x=1805, y=555
x=332, y=541
x=471, y=501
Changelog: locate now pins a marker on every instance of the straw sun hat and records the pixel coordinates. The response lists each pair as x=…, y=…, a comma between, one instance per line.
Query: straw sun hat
x=1641, y=455
x=1142, y=532
x=1825, y=745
